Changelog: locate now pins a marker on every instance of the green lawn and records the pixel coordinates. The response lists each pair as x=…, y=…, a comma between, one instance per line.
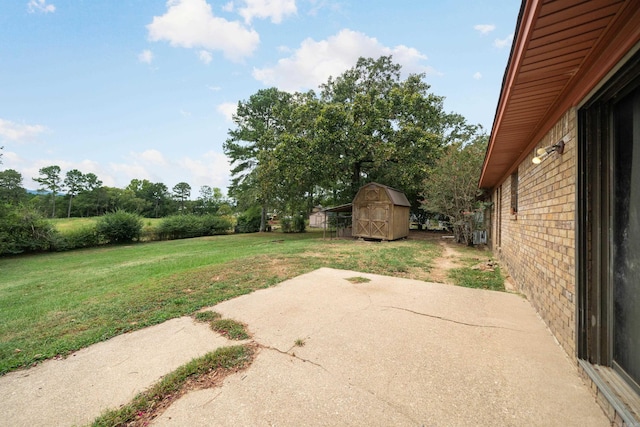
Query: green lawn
x=55, y=303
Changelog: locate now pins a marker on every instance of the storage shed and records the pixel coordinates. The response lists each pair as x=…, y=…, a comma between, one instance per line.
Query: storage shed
x=380, y=212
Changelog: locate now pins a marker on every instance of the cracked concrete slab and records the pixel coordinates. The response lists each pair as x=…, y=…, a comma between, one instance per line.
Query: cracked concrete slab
x=76, y=390
x=391, y=352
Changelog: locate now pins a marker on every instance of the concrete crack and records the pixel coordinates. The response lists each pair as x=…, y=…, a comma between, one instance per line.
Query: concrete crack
x=450, y=320
x=398, y=408
x=294, y=356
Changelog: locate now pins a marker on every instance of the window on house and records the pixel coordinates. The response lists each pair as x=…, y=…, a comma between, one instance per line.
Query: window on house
x=514, y=193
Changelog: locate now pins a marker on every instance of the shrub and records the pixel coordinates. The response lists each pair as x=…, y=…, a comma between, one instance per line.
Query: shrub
x=249, y=220
x=23, y=229
x=84, y=237
x=119, y=227
x=186, y=226
x=299, y=224
x=295, y=224
x=213, y=225
x=286, y=224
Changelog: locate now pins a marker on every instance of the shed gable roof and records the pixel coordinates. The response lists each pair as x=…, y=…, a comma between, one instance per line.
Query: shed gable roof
x=397, y=197
x=562, y=49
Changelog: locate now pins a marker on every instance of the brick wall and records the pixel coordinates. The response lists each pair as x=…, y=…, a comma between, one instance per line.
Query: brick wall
x=537, y=244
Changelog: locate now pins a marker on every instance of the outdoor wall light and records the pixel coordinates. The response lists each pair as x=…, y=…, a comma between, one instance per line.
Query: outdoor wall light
x=542, y=153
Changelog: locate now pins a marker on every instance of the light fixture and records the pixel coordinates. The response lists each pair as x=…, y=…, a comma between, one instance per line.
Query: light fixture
x=558, y=147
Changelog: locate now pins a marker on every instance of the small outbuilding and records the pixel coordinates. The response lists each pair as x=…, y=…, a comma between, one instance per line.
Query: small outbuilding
x=380, y=212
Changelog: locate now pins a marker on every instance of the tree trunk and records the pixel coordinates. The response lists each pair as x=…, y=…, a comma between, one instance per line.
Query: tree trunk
x=263, y=218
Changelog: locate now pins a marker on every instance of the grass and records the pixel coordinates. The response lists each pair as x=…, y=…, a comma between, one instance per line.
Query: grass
x=55, y=303
x=70, y=224
x=358, y=279
x=169, y=387
x=230, y=328
x=472, y=275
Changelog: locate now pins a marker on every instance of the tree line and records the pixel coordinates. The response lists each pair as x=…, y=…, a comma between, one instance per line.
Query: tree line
x=84, y=195
x=290, y=152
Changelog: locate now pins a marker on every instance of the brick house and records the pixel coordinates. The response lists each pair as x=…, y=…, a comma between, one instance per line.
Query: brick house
x=563, y=171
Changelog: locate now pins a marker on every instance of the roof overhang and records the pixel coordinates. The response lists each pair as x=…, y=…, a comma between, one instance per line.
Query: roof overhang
x=561, y=51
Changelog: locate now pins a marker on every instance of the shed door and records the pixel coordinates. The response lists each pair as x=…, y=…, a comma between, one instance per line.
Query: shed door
x=373, y=221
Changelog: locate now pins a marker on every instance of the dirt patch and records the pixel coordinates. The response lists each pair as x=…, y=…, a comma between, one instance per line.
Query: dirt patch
x=449, y=259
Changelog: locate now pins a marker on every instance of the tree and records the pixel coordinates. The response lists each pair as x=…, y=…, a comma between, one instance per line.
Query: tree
x=210, y=200
x=91, y=199
x=154, y=195
x=11, y=190
x=376, y=126
x=260, y=122
x=50, y=180
x=182, y=191
x=452, y=186
x=74, y=182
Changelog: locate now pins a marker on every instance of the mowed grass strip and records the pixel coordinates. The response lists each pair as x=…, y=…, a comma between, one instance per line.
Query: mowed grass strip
x=53, y=304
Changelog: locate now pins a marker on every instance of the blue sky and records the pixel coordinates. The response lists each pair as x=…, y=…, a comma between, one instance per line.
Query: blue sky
x=146, y=88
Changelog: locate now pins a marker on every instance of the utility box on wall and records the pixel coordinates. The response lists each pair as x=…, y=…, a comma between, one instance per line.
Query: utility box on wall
x=380, y=212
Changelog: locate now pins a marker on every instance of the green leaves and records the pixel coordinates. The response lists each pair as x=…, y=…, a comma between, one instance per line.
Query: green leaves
x=292, y=151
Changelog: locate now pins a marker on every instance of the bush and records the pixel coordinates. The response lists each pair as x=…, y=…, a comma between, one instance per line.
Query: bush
x=299, y=224
x=85, y=237
x=295, y=224
x=186, y=226
x=23, y=229
x=119, y=227
x=213, y=225
x=249, y=220
x=286, y=224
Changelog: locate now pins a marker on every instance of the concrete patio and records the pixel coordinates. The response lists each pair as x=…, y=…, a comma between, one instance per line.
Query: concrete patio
x=387, y=351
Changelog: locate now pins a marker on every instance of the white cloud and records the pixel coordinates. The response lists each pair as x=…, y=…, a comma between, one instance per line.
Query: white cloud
x=126, y=172
x=263, y=9
x=146, y=56
x=191, y=24
x=502, y=43
x=477, y=75
x=313, y=62
x=40, y=6
x=484, y=29
x=205, y=56
x=227, y=109
x=151, y=156
x=19, y=132
x=228, y=7
x=211, y=168
x=214, y=88
x=185, y=113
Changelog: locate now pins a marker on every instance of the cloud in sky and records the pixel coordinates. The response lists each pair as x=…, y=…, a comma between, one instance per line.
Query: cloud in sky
x=314, y=61
x=211, y=169
x=151, y=156
x=502, y=43
x=19, y=132
x=477, y=75
x=227, y=109
x=205, y=56
x=263, y=9
x=191, y=24
x=40, y=6
x=146, y=56
x=484, y=29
